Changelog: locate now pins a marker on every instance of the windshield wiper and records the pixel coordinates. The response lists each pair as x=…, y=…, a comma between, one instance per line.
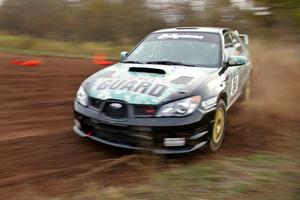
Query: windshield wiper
x=134, y=62
x=165, y=62
x=161, y=62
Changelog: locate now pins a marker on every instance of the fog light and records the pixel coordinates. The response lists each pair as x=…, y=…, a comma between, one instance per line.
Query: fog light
x=174, y=142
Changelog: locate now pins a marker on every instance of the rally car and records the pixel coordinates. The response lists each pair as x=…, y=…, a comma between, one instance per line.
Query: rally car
x=170, y=94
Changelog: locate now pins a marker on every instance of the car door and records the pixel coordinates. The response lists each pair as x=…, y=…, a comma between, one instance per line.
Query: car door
x=233, y=75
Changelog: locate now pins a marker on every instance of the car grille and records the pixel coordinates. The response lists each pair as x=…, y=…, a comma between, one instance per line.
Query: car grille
x=95, y=103
x=145, y=111
x=123, y=112
x=123, y=137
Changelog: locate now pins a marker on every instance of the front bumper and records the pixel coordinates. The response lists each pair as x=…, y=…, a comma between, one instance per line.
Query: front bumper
x=145, y=133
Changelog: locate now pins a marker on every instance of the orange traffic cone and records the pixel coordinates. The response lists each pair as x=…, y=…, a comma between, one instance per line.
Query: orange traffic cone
x=101, y=59
x=25, y=62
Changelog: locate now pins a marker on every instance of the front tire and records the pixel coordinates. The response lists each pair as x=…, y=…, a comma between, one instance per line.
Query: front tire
x=219, y=127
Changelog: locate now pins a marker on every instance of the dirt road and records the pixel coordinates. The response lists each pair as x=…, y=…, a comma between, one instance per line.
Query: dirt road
x=38, y=149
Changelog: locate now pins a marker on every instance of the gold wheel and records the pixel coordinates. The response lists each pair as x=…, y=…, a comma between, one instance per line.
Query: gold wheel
x=218, y=127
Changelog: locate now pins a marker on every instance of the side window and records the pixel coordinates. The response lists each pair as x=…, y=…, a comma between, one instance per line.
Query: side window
x=228, y=40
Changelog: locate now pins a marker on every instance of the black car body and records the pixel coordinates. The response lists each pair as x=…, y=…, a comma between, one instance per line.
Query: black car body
x=170, y=94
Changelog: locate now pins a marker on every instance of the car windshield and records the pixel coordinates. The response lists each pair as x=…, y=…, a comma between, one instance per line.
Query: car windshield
x=189, y=49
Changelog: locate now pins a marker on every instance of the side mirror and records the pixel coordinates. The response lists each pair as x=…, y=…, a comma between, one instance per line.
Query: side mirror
x=123, y=55
x=236, y=60
x=245, y=39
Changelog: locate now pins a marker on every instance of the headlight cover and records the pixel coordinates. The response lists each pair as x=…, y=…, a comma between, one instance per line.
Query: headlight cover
x=81, y=96
x=179, y=108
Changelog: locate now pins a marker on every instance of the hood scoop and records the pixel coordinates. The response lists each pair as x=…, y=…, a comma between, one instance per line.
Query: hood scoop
x=147, y=70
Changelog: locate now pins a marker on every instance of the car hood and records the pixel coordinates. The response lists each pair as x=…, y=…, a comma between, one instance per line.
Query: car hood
x=143, y=83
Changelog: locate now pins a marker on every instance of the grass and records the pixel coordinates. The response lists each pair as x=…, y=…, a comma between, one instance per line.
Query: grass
x=36, y=46
x=214, y=179
x=261, y=176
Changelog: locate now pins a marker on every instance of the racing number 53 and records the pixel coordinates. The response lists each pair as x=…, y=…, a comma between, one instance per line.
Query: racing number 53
x=234, y=85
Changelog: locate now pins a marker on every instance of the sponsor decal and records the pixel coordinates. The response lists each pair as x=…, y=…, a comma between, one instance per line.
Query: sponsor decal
x=174, y=142
x=209, y=103
x=234, y=85
x=176, y=36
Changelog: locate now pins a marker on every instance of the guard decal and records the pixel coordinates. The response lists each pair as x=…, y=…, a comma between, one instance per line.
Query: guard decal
x=143, y=87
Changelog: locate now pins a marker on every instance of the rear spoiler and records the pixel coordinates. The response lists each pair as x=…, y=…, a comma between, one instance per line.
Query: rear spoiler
x=244, y=38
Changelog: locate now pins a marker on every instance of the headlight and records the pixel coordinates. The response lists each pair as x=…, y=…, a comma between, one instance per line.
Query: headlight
x=179, y=108
x=82, y=97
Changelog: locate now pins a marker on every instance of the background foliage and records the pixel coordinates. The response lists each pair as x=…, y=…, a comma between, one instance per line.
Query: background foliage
x=128, y=21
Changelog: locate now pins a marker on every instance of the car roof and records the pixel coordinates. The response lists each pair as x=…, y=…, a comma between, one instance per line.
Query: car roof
x=193, y=29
